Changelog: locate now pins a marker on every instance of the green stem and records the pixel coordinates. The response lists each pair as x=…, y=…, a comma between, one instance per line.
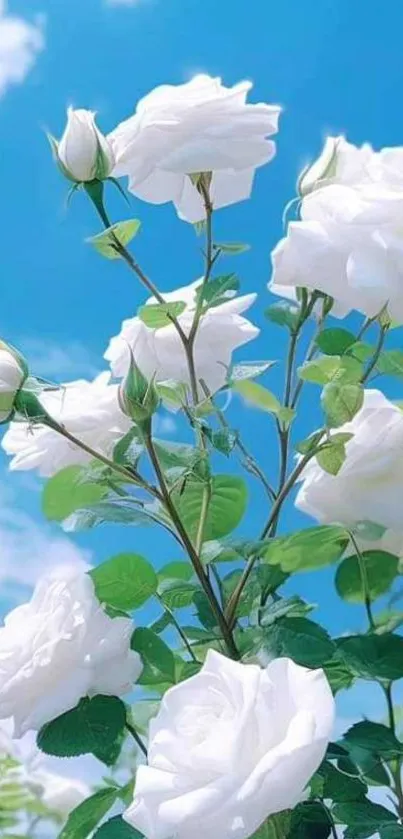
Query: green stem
x=267, y=530
x=191, y=551
x=375, y=358
x=130, y=475
x=136, y=737
x=395, y=765
x=178, y=628
x=364, y=581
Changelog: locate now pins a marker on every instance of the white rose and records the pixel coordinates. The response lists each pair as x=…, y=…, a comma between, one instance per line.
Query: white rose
x=160, y=352
x=339, y=162
x=370, y=482
x=89, y=410
x=229, y=747
x=59, y=648
x=347, y=245
x=12, y=374
x=200, y=126
x=83, y=152
x=59, y=794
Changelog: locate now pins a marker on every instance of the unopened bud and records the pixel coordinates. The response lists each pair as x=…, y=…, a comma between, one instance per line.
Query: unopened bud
x=13, y=372
x=138, y=397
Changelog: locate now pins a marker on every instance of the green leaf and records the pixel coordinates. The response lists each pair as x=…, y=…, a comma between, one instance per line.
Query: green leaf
x=158, y=315
x=112, y=511
x=117, y=828
x=284, y=313
x=123, y=231
x=284, y=607
x=331, y=457
x=361, y=351
x=335, y=341
x=381, y=570
x=275, y=827
x=231, y=248
x=310, y=444
x=338, y=673
x=203, y=610
x=304, y=550
x=128, y=450
x=331, y=368
x=304, y=641
x=374, y=737
x=158, y=659
x=363, y=819
x=390, y=363
x=173, y=393
x=95, y=726
x=338, y=786
x=224, y=440
x=65, y=492
x=257, y=396
x=177, y=595
x=341, y=402
x=218, y=290
x=309, y=821
x=176, y=571
x=226, y=508
x=125, y=581
x=84, y=819
x=249, y=370
x=370, y=765
x=373, y=656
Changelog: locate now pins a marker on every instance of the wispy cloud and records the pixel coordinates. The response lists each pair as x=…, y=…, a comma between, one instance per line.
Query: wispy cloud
x=29, y=549
x=20, y=44
x=59, y=361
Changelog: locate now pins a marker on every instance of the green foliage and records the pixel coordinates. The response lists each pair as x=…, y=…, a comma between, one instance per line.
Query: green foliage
x=307, y=549
x=111, y=511
x=218, y=291
x=117, y=828
x=381, y=569
x=84, y=819
x=310, y=820
x=158, y=659
x=363, y=818
x=390, y=362
x=284, y=313
x=122, y=232
x=67, y=492
x=125, y=581
x=231, y=248
x=375, y=738
x=301, y=639
x=335, y=341
x=331, y=368
x=158, y=315
x=373, y=656
x=249, y=370
x=95, y=726
x=227, y=505
x=341, y=402
x=257, y=396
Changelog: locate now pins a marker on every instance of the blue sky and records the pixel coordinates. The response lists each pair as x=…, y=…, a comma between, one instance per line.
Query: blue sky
x=335, y=65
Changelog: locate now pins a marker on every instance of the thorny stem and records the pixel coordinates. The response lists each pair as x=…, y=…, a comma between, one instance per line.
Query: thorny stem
x=190, y=548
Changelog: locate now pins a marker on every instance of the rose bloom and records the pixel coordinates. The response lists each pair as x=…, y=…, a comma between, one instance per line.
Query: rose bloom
x=160, y=352
x=200, y=126
x=229, y=747
x=369, y=484
x=348, y=245
x=89, y=410
x=83, y=152
x=59, y=794
x=59, y=648
x=12, y=375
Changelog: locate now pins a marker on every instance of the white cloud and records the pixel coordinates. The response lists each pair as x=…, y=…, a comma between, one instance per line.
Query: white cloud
x=60, y=362
x=20, y=44
x=28, y=550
